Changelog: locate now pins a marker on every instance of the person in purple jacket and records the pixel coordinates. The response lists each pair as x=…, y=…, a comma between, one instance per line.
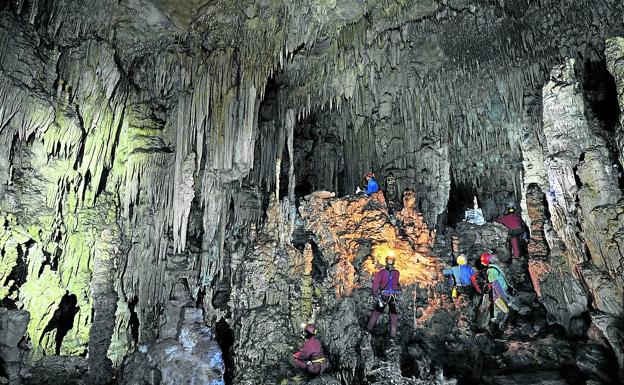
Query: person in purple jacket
x=311, y=357
x=385, y=288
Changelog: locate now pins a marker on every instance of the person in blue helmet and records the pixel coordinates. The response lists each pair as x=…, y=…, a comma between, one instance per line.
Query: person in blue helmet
x=462, y=276
x=372, y=186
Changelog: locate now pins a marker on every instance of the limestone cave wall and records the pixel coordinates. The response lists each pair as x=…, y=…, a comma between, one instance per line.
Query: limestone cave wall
x=156, y=158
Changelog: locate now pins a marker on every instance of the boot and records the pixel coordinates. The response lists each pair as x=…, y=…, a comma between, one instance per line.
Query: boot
x=394, y=319
x=372, y=320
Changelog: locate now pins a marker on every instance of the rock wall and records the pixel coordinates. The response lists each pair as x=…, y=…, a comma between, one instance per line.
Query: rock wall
x=574, y=247
x=279, y=287
x=143, y=142
x=13, y=346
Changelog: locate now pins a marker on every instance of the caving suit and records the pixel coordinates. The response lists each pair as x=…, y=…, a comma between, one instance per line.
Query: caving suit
x=385, y=290
x=311, y=357
x=501, y=300
x=462, y=278
x=515, y=227
x=372, y=186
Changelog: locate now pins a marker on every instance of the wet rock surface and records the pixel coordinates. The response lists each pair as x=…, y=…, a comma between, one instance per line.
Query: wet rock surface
x=184, y=353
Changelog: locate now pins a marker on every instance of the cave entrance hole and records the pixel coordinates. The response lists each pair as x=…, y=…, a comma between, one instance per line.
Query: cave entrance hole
x=63, y=319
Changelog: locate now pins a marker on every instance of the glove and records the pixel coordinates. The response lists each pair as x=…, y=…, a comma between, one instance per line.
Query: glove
x=473, y=280
x=454, y=293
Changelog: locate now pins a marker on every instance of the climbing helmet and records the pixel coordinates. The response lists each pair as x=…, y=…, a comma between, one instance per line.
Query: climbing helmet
x=310, y=329
x=486, y=258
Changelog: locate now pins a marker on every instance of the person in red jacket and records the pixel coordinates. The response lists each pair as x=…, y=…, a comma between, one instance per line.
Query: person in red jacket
x=515, y=225
x=385, y=288
x=311, y=357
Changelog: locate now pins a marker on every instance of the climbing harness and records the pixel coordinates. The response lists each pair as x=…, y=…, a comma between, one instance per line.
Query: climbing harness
x=391, y=294
x=318, y=360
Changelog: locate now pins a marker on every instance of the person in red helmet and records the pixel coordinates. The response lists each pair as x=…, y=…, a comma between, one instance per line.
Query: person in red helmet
x=498, y=288
x=515, y=226
x=311, y=357
x=385, y=289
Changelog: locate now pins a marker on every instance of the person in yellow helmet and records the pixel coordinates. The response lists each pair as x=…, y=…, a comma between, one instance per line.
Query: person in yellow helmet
x=385, y=289
x=462, y=276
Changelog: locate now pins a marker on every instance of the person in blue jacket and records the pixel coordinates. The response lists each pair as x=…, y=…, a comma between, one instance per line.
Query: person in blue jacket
x=462, y=276
x=372, y=186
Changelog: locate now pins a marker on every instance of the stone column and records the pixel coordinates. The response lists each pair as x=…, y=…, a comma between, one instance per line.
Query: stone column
x=104, y=305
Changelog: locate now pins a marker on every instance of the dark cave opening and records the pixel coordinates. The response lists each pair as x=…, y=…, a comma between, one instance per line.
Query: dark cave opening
x=602, y=109
x=318, y=159
x=460, y=199
x=63, y=319
x=600, y=94
x=224, y=335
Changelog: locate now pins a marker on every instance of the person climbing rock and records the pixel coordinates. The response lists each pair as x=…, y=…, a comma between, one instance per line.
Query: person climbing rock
x=385, y=289
x=371, y=186
x=461, y=276
x=497, y=286
x=311, y=357
x=515, y=226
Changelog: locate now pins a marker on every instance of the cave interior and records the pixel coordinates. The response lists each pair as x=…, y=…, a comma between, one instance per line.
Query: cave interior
x=179, y=190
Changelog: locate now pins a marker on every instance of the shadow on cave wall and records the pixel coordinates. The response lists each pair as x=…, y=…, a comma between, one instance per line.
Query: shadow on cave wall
x=62, y=320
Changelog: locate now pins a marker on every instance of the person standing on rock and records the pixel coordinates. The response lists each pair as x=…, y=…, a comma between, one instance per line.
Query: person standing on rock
x=311, y=357
x=498, y=287
x=515, y=226
x=385, y=289
x=462, y=277
x=371, y=183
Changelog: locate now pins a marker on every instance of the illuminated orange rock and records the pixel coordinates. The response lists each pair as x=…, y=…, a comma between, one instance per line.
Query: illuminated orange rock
x=414, y=225
x=357, y=232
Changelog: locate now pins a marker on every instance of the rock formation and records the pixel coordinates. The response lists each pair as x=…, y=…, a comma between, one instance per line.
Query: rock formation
x=177, y=174
x=13, y=348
